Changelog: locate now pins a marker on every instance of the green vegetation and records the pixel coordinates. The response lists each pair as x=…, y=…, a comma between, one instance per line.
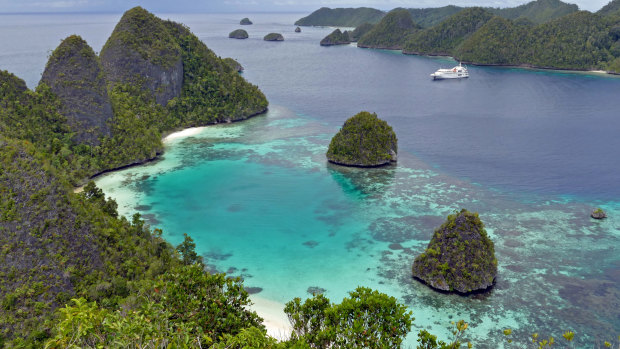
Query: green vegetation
x=539, y=11
x=359, y=31
x=238, y=34
x=56, y=245
x=611, y=9
x=245, y=21
x=341, y=17
x=234, y=65
x=366, y=319
x=581, y=40
x=274, y=37
x=141, y=32
x=443, y=38
x=364, y=140
x=460, y=257
x=390, y=32
x=428, y=17
x=336, y=38
x=541, y=33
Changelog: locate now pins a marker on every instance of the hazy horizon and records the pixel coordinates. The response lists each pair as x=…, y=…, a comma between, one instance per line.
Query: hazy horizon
x=247, y=6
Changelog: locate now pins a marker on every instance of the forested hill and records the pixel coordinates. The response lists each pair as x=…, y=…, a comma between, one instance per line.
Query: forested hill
x=612, y=8
x=343, y=17
x=390, y=32
x=537, y=11
x=578, y=40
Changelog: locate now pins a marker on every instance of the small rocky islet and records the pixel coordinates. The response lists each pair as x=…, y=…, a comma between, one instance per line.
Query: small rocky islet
x=363, y=141
x=460, y=256
x=238, y=34
x=274, y=37
x=598, y=214
x=245, y=21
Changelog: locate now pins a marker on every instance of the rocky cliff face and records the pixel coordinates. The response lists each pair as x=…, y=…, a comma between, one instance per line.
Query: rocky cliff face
x=141, y=51
x=74, y=74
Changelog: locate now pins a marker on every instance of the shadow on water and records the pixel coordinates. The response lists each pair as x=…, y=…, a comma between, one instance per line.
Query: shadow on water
x=367, y=182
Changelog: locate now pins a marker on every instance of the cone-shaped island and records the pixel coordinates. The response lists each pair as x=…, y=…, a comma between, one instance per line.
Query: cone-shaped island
x=460, y=256
x=363, y=141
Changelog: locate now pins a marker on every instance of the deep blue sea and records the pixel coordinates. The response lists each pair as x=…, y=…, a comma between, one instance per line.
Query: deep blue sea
x=532, y=151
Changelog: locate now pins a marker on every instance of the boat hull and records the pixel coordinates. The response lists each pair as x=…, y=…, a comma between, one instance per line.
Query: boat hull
x=444, y=77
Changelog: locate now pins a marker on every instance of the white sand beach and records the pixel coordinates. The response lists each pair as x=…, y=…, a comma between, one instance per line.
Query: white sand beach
x=183, y=133
x=275, y=320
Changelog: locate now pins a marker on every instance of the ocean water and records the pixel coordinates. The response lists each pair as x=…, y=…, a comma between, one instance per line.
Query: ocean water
x=532, y=151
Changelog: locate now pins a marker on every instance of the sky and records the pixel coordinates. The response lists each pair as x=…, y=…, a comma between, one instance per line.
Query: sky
x=180, y=6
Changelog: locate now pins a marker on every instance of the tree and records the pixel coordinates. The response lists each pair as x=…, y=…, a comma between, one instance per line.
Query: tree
x=187, y=249
x=365, y=319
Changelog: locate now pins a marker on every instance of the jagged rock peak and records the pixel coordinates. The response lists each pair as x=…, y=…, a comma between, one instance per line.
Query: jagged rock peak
x=74, y=74
x=141, y=50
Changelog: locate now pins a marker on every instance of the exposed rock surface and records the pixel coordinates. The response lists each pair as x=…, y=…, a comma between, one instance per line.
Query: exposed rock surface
x=336, y=38
x=141, y=51
x=274, y=37
x=598, y=214
x=74, y=73
x=245, y=21
x=365, y=141
x=460, y=257
x=238, y=34
x=297, y=30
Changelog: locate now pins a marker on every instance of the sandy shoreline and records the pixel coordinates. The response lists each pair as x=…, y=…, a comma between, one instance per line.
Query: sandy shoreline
x=272, y=312
x=183, y=133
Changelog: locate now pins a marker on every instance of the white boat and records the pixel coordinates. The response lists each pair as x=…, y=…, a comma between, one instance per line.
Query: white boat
x=457, y=72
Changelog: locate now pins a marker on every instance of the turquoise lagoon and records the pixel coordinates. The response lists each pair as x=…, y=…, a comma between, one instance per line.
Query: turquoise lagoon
x=261, y=202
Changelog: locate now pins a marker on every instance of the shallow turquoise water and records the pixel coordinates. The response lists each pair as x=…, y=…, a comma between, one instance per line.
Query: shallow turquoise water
x=261, y=202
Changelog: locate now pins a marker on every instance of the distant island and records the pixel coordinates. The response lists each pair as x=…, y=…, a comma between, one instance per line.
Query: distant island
x=273, y=37
x=547, y=34
x=238, y=34
x=245, y=21
x=341, y=17
x=363, y=141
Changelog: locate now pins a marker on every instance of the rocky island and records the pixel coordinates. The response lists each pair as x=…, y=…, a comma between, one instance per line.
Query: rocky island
x=598, y=214
x=460, y=256
x=245, y=21
x=238, y=34
x=363, y=141
x=297, y=30
x=274, y=37
x=336, y=38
